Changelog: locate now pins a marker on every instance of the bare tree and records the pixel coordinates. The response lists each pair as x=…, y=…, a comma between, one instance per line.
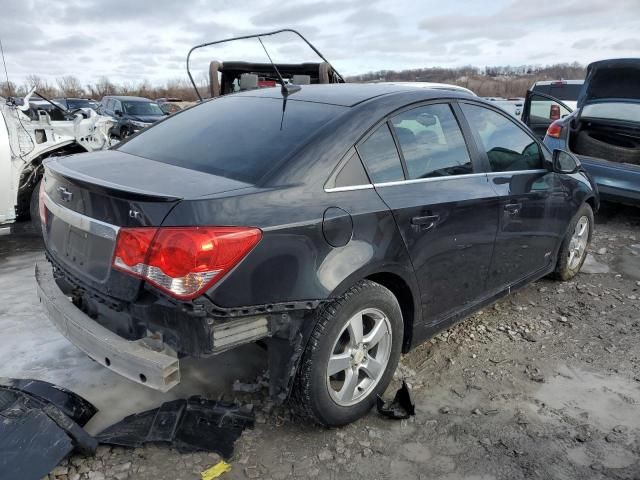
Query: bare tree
x=101, y=88
x=42, y=86
x=70, y=86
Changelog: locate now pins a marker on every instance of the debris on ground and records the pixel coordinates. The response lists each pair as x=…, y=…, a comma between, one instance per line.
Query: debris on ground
x=40, y=424
x=189, y=425
x=215, y=471
x=402, y=406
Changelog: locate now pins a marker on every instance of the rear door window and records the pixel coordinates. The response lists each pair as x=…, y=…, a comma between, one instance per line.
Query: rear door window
x=431, y=142
x=380, y=155
x=508, y=147
x=236, y=137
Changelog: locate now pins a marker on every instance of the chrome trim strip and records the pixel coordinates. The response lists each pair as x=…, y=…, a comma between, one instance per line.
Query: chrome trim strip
x=454, y=177
x=431, y=179
x=514, y=172
x=348, y=188
x=80, y=221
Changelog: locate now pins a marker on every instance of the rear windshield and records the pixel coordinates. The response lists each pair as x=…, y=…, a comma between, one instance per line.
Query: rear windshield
x=235, y=136
x=561, y=91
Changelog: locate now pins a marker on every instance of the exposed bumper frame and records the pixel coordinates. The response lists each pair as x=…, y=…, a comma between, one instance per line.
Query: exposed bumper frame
x=131, y=359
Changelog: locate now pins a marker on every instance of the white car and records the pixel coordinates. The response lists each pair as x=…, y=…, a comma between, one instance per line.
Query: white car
x=28, y=135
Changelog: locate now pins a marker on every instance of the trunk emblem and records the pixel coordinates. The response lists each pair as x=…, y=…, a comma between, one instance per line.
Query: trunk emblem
x=65, y=194
x=135, y=214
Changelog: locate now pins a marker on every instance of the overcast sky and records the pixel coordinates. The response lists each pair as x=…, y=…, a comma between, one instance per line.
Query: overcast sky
x=131, y=40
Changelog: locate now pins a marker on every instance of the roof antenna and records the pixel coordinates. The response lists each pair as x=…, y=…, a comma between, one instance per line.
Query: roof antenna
x=5, y=69
x=285, y=88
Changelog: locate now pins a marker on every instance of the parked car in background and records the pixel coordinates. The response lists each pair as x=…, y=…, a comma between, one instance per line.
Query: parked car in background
x=341, y=225
x=512, y=106
x=543, y=111
x=30, y=131
x=604, y=129
x=132, y=114
x=72, y=104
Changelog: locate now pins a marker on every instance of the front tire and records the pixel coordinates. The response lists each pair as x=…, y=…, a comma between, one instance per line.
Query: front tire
x=351, y=355
x=573, y=250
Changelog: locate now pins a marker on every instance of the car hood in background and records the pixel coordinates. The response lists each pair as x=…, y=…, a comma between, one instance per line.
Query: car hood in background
x=146, y=118
x=616, y=80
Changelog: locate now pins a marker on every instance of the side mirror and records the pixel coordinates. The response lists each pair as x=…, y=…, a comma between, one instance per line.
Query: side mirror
x=565, y=162
x=118, y=113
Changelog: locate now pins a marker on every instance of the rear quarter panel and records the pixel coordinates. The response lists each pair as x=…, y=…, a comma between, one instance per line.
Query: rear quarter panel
x=294, y=262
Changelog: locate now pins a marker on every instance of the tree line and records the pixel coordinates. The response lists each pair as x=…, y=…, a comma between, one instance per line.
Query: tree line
x=496, y=81
x=70, y=86
x=490, y=81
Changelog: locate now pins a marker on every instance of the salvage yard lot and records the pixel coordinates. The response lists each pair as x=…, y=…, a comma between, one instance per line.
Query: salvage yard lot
x=544, y=384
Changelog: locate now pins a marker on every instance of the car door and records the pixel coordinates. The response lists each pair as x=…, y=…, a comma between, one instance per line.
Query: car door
x=540, y=110
x=530, y=196
x=446, y=211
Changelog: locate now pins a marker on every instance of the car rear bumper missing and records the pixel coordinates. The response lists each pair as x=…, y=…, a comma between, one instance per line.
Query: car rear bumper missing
x=134, y=360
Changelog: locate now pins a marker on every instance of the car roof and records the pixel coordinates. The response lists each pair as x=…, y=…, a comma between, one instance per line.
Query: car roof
x=436, y=85
x=351, y=94
x=128, y=97
x=557, y=82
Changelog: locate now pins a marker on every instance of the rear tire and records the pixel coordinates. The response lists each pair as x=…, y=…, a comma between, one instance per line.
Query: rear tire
x=573, y=250
x=343, y=370
x=608, y=147
x=34, y=209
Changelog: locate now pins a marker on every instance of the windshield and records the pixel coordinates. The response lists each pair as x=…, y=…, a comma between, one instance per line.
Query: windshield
x=236, y=137
x=141, y=108
x=73, y=104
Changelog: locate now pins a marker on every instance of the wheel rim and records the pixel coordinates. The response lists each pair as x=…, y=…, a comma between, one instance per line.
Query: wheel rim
x=578, y=243
x=359, y=356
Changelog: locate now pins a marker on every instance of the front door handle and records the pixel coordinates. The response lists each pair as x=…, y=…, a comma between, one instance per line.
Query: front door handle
x=425, y=223
x=513, y=208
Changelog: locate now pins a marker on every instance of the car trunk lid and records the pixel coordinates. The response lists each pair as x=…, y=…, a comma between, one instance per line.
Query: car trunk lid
x=611, y=80
x=89, y=197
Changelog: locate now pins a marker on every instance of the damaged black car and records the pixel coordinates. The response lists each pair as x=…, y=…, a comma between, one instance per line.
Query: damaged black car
x=341, y=225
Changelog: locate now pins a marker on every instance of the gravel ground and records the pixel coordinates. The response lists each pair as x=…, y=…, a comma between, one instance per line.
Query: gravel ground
x=544, y=384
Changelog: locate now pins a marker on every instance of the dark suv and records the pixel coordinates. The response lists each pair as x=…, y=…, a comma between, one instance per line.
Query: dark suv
x=341, y=228
x=131, y=113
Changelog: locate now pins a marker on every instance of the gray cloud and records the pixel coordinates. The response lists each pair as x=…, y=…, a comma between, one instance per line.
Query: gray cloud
x=133, y=40
x=584, y=43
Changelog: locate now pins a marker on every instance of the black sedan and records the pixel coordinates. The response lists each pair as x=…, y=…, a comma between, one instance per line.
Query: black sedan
x=341, y=228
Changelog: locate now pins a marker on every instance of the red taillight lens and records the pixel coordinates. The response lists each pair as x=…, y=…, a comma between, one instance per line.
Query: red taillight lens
x=183, y=261
x=554, y=130
x=554, y=112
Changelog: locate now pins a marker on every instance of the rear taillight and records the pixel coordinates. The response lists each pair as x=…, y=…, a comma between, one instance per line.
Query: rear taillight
x=554, y=112
x=42, y=208
x=555, y=129
x=183, y=261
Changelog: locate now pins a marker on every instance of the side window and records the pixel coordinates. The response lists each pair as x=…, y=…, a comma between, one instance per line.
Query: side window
x=117, y=105
x=110, y=105
x=508, y=147
x=544, y=109
x=432, y=143
x=352, y=173
x=380, y=155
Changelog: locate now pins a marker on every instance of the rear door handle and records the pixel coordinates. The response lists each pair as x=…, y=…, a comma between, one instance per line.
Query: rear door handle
x=425, y=223
x=513, y=208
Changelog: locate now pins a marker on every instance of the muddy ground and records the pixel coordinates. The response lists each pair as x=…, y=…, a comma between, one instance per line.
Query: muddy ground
x=544, y=384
